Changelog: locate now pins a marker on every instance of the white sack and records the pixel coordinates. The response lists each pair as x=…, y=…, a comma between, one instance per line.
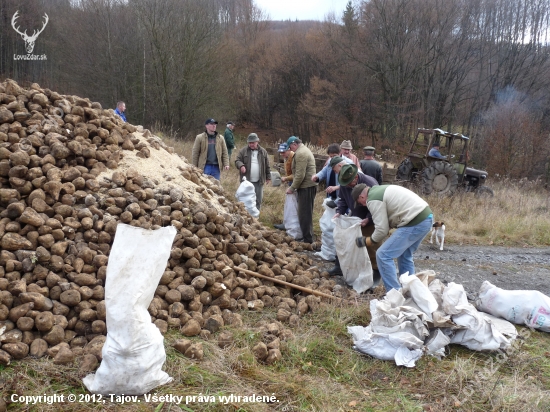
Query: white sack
x=354, y=261
x=290, y=217
x=133, y=353
x=381, y=345
x=328, y=250
x=420, y=293
x=246, y=194
x=479, y=332
x=524, y=307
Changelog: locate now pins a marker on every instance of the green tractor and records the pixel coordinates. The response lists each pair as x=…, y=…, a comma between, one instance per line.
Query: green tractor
x=442, y=176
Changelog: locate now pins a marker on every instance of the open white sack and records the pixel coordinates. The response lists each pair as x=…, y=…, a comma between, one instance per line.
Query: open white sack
x=246, y=194
x=354, y=261
x=290, y=217
x=524, y=307
x=133, y=353
x=328, y=249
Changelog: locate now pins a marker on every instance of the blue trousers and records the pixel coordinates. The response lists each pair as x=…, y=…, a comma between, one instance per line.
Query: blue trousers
x=212, y=170
x=401, y=245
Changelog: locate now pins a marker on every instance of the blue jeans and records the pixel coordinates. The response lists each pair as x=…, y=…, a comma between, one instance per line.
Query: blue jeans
x=401, y=245
x=212, y=170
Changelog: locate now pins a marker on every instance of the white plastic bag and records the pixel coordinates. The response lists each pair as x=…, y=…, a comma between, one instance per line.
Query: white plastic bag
x=354, y=261
x=524, y=307
x=328, y=250
x=133, y=353
x=246, y=194
x=290, y=217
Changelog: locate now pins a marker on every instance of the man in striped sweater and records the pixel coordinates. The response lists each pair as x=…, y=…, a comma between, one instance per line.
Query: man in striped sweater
x=392, y=207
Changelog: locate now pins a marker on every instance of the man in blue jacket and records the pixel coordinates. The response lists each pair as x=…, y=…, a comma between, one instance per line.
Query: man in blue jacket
x=434, y=152
x=120, y=109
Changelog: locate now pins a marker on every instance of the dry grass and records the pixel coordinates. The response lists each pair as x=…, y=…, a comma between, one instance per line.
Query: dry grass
x=320, y=371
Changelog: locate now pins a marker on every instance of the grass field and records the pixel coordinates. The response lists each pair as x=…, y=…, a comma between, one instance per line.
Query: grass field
x=319, y=370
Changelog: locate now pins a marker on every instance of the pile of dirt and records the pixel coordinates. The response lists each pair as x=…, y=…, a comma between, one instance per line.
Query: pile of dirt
x=70, y=171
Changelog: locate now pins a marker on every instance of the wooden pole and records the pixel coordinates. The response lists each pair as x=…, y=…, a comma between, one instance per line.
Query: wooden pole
x=282, y=282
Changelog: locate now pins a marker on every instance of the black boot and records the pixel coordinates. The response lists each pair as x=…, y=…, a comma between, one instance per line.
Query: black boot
x=376, y=277
x=280, y=226
x=336, y=270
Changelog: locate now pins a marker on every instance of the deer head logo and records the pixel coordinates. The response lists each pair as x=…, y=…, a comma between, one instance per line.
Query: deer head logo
x=29, y=40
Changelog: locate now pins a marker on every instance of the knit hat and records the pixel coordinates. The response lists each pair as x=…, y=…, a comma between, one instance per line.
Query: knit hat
x=347, y=174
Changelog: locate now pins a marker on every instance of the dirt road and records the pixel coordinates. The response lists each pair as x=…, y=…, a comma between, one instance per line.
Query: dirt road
x=509, y=268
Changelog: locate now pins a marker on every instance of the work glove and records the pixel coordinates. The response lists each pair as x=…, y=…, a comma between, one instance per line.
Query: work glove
x=363, y=241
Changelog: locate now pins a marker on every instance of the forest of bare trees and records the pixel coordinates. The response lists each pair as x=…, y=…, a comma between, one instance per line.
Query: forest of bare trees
x=372, y=73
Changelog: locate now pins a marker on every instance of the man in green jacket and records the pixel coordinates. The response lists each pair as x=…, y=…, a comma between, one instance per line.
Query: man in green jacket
x=303, y=169
x=253, y=163
x=210, y=151
x=229, y=138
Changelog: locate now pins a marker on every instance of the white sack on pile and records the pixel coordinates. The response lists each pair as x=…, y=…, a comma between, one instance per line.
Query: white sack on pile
x=133, y=353
x=479, y=332
x=246, y=194
x=425, y=316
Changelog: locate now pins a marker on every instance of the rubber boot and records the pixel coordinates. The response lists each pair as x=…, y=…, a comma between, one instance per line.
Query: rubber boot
x=336, y=270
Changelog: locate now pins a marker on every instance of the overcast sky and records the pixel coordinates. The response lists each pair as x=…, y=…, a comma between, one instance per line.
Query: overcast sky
x=301, y=9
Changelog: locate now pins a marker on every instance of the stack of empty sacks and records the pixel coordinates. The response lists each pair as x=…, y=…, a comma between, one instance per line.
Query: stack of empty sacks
x=424, y=317
x=58, y=221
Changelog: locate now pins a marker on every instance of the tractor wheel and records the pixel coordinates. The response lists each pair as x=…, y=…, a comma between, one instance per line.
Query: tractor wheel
x=484, y=191
x=404, y=171
x=440, y=178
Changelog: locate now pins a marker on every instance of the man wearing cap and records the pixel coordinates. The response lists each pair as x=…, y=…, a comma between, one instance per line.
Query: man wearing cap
x=229, y=138
x=369, y=166
x=394, y=206
x=349, y=177
x=253, y=163
x=210, y=151
x=303, y=168
x=345, y=151
x=434, y=152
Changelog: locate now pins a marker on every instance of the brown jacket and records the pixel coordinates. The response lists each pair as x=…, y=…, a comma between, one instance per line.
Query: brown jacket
x=288, y=167
x=244, y=158
x=200, y=150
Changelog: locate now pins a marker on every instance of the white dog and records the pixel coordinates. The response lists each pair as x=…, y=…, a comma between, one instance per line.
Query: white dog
x=438, y=229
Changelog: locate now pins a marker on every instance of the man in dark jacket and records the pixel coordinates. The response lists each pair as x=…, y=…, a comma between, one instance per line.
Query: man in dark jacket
x=229, y=138
x=349, y=177
x=253, y=163
x=369, y=166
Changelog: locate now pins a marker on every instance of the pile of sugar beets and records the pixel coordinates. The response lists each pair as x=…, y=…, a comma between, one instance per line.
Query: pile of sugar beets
x=58, y=222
